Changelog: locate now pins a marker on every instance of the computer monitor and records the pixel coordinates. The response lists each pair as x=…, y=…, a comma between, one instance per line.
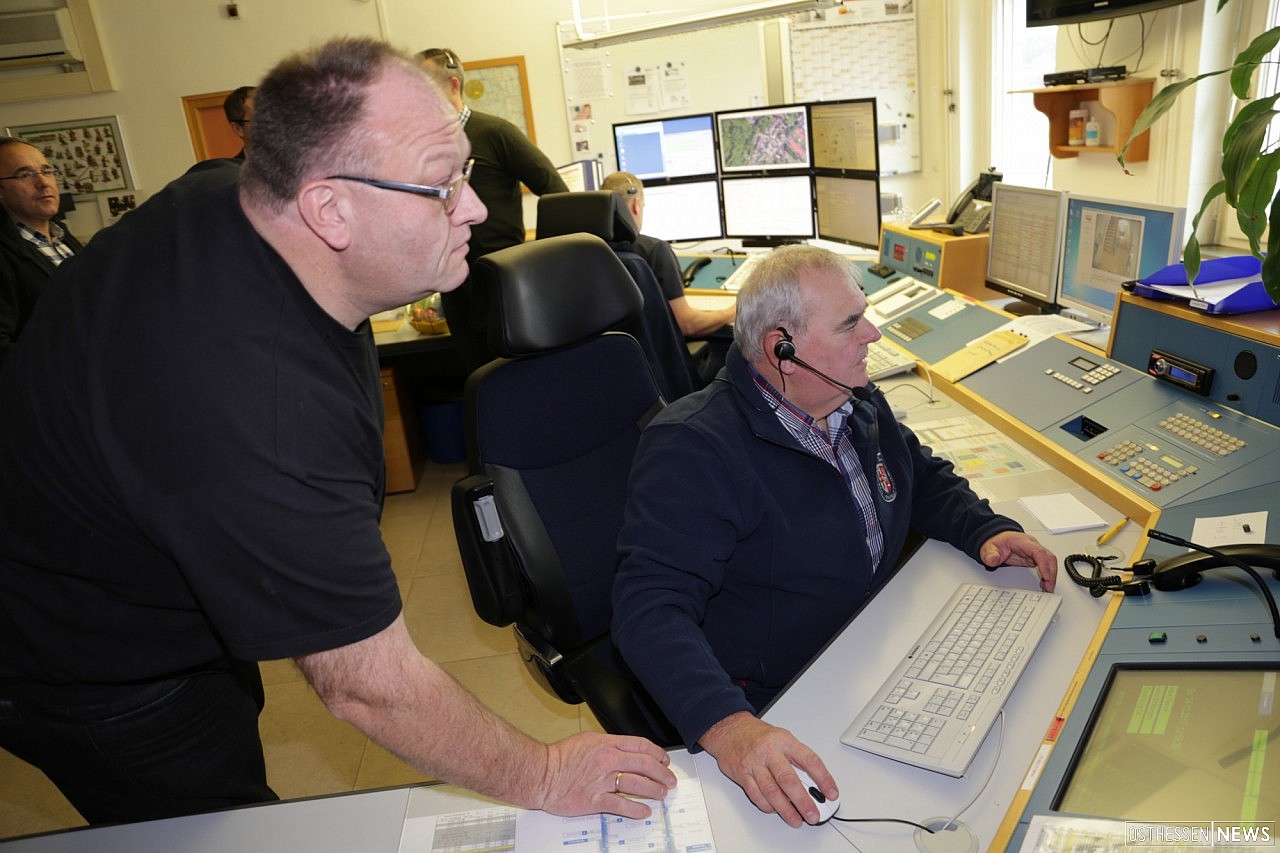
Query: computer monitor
x=1025, y=255
x=1110, y=242
x=764, y=140
x=666, y=148
x=1180, y=742
x=768, y=210
x=844, y=135
x=688, y=210
x=848, y=209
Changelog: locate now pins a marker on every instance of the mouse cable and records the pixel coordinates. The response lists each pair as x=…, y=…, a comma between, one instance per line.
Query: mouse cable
x=990, y=775
x=883, y=820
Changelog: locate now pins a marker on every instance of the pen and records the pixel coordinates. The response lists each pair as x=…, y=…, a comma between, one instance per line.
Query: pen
x=1112, y=531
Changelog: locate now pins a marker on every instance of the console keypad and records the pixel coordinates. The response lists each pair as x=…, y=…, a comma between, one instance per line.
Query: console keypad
x=1201, y=434
x=1128, y=460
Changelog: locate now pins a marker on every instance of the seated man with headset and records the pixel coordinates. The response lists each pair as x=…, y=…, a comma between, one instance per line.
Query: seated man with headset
x=766, y=508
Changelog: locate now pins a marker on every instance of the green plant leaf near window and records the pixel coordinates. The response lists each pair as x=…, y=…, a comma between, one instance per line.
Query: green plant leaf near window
x=1249, y=168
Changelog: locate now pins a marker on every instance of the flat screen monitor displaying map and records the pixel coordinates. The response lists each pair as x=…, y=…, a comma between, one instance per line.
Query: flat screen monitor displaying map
x=666, y=148
x=1025, y=255
x=768, y=210
x=844, y=135
x=1110, y=242
x=689, y=210
x=1178, y=743
x=764, y=140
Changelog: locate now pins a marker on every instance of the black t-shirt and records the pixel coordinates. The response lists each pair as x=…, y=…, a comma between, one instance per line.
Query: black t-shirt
x=192, y=461
x=661, y=258
x=505, y=159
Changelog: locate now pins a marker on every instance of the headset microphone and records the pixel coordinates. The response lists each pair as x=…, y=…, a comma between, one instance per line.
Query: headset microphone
x=785, y=350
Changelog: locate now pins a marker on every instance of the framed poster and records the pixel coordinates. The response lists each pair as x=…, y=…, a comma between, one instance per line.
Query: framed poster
x=89, y=153
x=500, y=87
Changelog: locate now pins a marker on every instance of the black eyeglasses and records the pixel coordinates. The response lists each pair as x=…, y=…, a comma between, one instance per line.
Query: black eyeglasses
x=449, y=195
x=35, y=175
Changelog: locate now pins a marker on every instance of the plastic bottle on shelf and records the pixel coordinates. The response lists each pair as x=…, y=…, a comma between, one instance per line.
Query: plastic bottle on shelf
x=1092, y=133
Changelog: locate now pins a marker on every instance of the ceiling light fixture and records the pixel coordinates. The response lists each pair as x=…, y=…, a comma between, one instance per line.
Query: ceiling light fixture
x=737, y=15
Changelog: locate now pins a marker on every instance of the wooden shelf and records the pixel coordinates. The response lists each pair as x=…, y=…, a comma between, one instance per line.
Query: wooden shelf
x=1124, y=99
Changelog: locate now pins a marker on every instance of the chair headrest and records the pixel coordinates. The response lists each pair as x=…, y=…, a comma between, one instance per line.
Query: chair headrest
x=547, y=294
x=603, y=213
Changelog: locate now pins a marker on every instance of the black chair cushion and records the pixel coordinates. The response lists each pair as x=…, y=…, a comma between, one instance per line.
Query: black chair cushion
x=603, y=213
x=548, y=294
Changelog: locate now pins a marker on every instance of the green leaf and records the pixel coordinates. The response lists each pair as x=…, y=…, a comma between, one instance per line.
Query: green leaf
x=1271, y=263
x=1191, y=257
x=1160, y=105
x=1255, y=197
x=1242, y=144
x=1248, y=60
x=1191, y=252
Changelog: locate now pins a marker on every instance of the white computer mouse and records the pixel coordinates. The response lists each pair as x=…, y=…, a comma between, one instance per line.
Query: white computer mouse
x=826, y=807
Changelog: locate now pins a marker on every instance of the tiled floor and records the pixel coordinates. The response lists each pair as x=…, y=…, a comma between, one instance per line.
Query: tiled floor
x=308, y=751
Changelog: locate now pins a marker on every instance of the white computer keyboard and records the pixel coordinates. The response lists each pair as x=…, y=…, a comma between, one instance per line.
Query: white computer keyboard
x=738, y=276
x=885, y=360
x=936, y=708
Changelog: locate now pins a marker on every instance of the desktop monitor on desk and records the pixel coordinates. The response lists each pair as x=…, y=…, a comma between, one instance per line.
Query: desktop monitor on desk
x=1024, y=259
x=844, y=135
x=683, y=211
x=768, y=210
x=666, y=148
x=848, y=209
x=1107, y=243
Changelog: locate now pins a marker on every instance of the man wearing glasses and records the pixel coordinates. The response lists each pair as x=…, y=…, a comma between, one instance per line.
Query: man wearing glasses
x=191, y=475
x=32, y=244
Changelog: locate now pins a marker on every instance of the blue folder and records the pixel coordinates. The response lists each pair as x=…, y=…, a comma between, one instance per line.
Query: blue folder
x=1251, y=297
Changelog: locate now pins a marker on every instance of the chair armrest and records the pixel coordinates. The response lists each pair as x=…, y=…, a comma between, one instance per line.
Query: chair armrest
x=493, y=575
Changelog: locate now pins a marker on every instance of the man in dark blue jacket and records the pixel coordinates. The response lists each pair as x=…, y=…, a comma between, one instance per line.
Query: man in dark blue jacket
x=765, y=509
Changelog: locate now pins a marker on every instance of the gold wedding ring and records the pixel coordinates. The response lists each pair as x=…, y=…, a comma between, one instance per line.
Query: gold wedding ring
x=617, y=782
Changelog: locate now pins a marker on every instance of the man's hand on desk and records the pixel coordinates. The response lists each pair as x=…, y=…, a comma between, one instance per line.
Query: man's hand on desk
x=759, y=758
x=1012, y=548
x=590, y=773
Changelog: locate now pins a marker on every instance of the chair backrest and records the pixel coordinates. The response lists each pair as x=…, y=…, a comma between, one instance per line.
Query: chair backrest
x=604, y=213
x=554, y=422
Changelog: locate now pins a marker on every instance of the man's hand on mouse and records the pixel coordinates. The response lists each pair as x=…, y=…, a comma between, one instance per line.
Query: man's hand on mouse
x=762, y=760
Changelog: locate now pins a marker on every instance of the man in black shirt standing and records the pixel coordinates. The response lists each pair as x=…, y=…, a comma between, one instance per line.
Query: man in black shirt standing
x=504, y=159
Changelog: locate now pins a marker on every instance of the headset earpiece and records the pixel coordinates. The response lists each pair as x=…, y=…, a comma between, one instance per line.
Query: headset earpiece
x=785, y=349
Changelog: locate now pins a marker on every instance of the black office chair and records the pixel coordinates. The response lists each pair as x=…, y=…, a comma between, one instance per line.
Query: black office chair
x=604, y=213
x=551, y=428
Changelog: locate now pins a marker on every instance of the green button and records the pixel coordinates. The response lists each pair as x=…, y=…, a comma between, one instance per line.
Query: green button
x=1157, y=637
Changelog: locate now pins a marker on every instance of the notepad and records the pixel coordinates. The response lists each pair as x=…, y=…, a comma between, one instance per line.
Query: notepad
x=979, y=354
x=1061, y=513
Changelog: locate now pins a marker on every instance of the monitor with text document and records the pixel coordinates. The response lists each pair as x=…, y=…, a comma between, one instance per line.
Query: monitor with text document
x=678, y=147
x=768, y=210
x=1108, y=242
x=683, y=211
x=1025, y=255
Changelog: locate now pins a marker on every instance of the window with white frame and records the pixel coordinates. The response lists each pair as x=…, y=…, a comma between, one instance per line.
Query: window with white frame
x=1020, y=132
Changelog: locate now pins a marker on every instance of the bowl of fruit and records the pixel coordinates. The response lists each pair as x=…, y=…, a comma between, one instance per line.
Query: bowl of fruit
x=425, y=316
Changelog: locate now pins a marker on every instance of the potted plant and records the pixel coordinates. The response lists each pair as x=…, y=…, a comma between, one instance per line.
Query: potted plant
x=1249, y=168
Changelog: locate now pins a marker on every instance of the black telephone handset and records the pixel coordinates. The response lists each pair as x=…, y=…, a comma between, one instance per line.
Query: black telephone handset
x=977, y=215
x=1185, y=570
x=691, y=269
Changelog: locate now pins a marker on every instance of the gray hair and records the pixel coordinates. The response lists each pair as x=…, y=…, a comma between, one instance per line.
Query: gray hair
x=770, y=297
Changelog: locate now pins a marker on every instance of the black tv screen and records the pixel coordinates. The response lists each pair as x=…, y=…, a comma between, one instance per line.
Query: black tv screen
x=1050, y=13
